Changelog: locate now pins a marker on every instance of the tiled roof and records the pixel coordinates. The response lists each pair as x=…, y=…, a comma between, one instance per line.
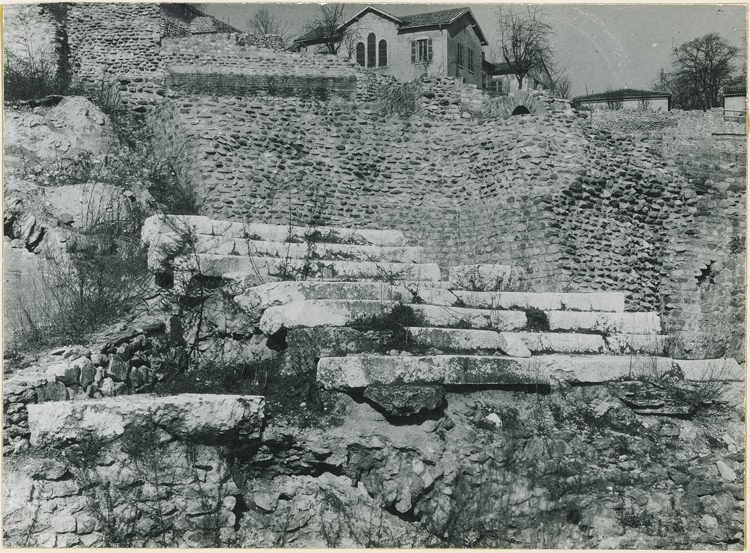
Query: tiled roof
x=430, y=19
x=621, y=93
x=736, y=89
x=404, y=23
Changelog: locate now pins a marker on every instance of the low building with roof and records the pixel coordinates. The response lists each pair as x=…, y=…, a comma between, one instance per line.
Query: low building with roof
x=625, y=98
x=735, y=103
x=446, y=43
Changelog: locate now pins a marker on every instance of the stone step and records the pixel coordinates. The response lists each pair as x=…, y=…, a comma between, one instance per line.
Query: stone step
x=292, y=269
x=606, y=323
x=344, y=312
x=163, y=244
x=523, y=344
x=453, y=339
x=259, y=298
x=315, y=313
x=463, y=317
x=616, y=344
x=706, y=370
x=484, y=277
x=549, y=301
x=202, y=417
x=312, y=313
x=197, y=225
x=344, y=373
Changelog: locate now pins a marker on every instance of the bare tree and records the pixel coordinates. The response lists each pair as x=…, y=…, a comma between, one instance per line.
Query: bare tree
x=264, y=22
x=326, y=26
x=701, y=68
x=524, y=40
x=349, y=39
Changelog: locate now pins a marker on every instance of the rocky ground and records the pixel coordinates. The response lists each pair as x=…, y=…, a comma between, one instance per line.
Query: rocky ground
x=622, y=463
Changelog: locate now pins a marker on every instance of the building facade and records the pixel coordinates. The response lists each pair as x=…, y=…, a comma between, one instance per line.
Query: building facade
x=446, y=43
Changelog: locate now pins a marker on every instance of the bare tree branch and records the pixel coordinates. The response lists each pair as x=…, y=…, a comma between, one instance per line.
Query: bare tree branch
x=326, y=26
x=524, y=40
x=701, y=68
x=265, y=22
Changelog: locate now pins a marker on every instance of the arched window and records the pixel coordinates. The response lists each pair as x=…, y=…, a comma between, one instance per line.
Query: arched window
x=382, y=53
x=371, y=50
x=361, y=53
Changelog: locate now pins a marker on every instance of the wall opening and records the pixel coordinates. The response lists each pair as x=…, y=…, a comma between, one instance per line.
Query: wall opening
x=521, y=110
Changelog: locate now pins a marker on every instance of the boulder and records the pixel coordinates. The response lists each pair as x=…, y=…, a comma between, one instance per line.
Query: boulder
x=403, y=401
x=64, y=372
x=200, y=417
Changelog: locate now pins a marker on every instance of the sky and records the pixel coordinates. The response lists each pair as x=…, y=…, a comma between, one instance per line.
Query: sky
x=603, y=46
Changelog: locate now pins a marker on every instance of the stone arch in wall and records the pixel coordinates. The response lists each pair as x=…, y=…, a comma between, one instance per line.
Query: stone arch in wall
x=523, y=99
x=521, y=110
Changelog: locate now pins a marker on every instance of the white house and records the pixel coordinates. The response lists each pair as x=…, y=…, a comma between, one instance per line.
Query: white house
x=441, y=43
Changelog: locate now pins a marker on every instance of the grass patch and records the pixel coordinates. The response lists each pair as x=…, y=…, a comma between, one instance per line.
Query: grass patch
x=392, y=325
x=536, y=320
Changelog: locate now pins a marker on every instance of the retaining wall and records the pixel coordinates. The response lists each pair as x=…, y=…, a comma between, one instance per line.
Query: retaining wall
x=577, y=208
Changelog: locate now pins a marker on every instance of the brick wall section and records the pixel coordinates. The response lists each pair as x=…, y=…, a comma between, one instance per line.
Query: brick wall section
x=469, y=192
x=702, y=288
x=118, y=45
x=578, y=208
x=223, y=64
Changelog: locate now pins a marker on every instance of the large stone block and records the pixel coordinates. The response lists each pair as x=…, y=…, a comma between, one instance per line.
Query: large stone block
x=313, y=313
x=201, y=417
x=725, y=369
x=606, y=323
x=462, y=317
x=452, y=339
x=484, y=277
x=403, y=401
x=262, y=297
x=562, y=342
x=546, y=301
x=342, y=373
x=219, y=265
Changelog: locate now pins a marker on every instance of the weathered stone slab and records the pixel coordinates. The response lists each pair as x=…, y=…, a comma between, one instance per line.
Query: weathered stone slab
x=280, y=293
x=483, y=277
x=652, y=344
x=725, y=369
x=314, y=313
x=220, y=265
x=609, y=323
x=164, y=224
x=452, y=339
x=562, y=342
x=403, y=401
x=546, y=301
x=162, y=244
x=462, y=317
x=342, y=373
x=203, y=417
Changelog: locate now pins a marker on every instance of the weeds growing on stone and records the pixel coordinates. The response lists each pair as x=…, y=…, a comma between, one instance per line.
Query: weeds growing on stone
x=76, y=293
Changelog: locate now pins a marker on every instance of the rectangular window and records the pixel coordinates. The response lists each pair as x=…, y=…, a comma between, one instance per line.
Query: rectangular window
x=460, y=55
x=471, y=61
x=421, y=50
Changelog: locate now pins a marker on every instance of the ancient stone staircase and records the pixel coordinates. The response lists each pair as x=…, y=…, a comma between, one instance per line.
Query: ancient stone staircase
x=299, y=278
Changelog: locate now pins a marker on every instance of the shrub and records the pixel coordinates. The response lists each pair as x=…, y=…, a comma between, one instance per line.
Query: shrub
x=536, y=320
x=393, y=325
x=402, y=99
x=77, y=293
x=171, y=184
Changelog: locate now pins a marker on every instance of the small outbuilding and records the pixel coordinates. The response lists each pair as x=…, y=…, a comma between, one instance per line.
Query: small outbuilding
x=625, y=98
x=735, y=103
